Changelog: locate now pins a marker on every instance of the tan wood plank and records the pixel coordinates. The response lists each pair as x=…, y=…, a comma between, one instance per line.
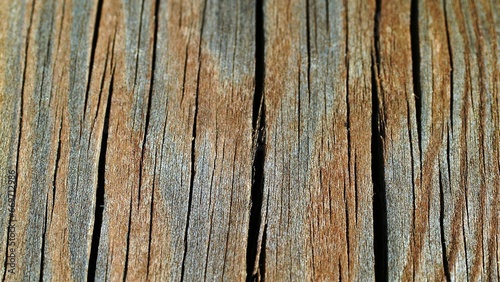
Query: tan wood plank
x=317, y=205
x=178, y=171
x=60, y=123
x=439, y=124
x=250, y=140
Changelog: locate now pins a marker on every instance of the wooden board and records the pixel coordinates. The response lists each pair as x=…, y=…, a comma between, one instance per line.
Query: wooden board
x=439, y=126
x=317, y=202
x=250, y=140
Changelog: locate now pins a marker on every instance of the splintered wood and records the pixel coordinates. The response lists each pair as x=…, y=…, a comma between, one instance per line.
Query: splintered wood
x=278, y=140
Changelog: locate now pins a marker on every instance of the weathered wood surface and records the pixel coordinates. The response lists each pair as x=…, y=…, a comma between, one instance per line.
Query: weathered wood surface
x=317, y=202
x=250, y=140
x=440, y=128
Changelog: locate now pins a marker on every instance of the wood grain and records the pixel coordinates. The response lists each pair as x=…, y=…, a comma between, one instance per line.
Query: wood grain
x=60, y=125
x=178, y=158
x=472, y=197
x=250, y=140
x=317, y=203
x=439, y=124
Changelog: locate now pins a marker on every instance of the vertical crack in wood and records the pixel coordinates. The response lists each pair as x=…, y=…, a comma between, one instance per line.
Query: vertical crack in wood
x=127, y=248
x=415, y=54
x=101, y=177
x=58, y=157
x=97, y=24
x=193, y=143
x=153, y=68
x=441, y=226
x=348, y=126
x=448, y=40
x=258, y=125
x=99, y=192
x=150, y=94
x=262, y=256
x=448, y=146
x=378, y=171
x=42, y=252
x=417, y=96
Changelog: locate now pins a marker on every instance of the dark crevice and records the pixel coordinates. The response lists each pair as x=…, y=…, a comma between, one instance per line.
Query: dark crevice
x=150, y=231
x=127, y=249
x=92, y=52
x=184, y=75
x=256, y=198
x=379, y=200
x=42, y=253
x=441, y=225
x=262, y=258
x=415, y=58
x=258, y=124
x=99, y=202
x=347, y=238
x=376, y=35
x=451, y=63
x=259, y=62
x=153, y=69
x=348, y=126
x=150, y=95
x=340, y=271
x=193, y=143
x=58, y=157
x=378, y=171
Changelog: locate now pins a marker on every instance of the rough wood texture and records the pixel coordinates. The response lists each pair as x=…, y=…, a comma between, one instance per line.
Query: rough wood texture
x=250, y=140
x=440, y=127
x=317, y=203
x=178, y=158
x=60, y=121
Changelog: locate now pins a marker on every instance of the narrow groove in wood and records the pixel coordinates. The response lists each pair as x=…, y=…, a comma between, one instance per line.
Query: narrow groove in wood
x=58, y=157
x=127, y=248
x=148, y=111
x=262, y=257
x=153, y=68
x=193, y=144
x=379, y=199
x=258, y=124
x=415, y=54
x=256, y=197
x=42, y=252
x=99, y=203
x=448, y=40
x=97, y=24
x=349, y=142
x=259, y=63
x=441, y=226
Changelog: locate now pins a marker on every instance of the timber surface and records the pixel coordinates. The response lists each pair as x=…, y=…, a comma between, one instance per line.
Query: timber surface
x=237, y=140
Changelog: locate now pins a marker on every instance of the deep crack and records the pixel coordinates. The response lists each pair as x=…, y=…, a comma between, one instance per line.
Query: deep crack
x=193, y=145
x=99, y=203
x=258, y=125
x=378, y=172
